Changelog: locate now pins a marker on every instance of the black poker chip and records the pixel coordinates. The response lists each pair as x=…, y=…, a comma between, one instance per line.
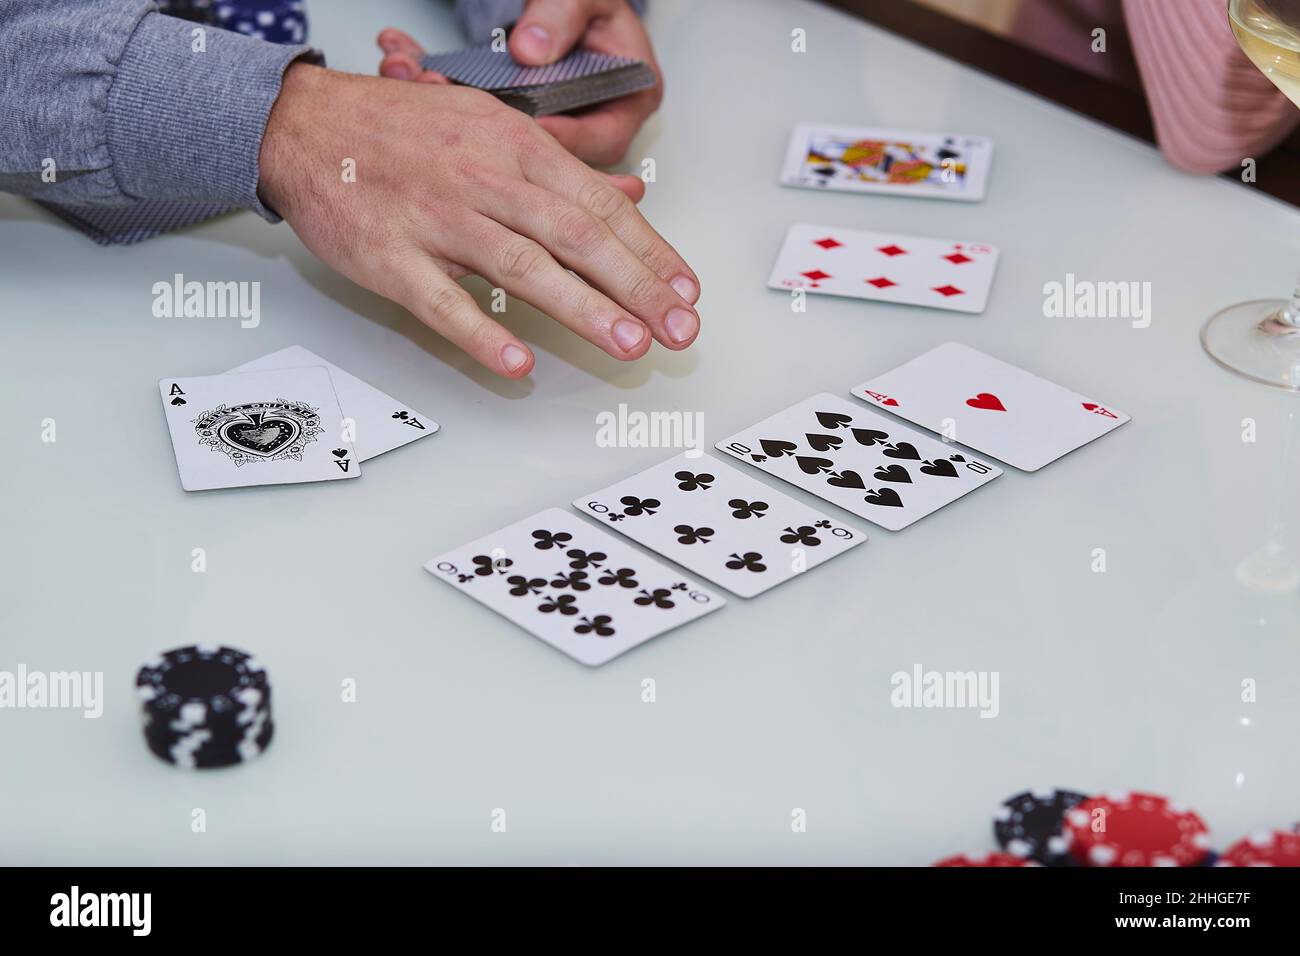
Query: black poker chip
x=205, y=706
x=1030, y=825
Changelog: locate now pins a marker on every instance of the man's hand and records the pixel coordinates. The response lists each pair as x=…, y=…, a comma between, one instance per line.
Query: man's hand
x=547, y=31
x=450, y=181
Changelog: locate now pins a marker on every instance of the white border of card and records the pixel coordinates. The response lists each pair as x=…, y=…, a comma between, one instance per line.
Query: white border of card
x=980, y=161
x=278, y=427
x=885, y=267
x=720, y=523
x=868, y=464
x=380, y=422
x=990, y=405
x=574, y=585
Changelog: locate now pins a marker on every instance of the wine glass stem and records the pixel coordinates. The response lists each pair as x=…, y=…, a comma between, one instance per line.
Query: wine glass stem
x=1290, y=313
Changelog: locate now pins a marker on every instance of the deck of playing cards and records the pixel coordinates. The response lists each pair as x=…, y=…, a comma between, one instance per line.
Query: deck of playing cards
x=583, y=78
x=286, y=418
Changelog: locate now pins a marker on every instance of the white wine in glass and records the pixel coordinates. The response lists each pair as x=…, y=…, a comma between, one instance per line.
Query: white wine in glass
x=1261, y=339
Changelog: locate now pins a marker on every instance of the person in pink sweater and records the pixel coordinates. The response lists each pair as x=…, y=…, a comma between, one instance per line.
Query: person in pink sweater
x=1211, y=107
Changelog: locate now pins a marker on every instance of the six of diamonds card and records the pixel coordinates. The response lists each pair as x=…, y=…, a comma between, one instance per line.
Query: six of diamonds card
x=865, y=463
x=574, y=585
x=984, y=403
x=885, y=267
x=933, y=165
x=721, y=524
x=262, y=428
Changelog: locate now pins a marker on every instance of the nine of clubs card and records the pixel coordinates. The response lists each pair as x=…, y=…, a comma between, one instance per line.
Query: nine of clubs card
x=721, y=524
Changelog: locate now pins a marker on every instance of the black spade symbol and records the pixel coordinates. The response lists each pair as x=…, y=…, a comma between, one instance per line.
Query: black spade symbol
x=847, y=479
x=178, y=400
x=263, y=437
x=903, y=450
x=943, y=468
x=886, y=497
x=893, y=473
x=823, y=442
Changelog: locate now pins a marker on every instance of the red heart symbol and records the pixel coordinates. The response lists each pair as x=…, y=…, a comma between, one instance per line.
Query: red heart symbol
x=985, y=400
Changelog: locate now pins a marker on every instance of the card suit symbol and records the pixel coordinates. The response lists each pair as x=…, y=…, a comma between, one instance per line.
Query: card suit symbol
x=848, y=478
x=681, y=586
x=957, y=457
x=339, y=453
x=179, y=401
x=545, y=540
x=689, y=535
x=574, y=581
x=904, y=450
x=885, y=497
x=892, y=250
x=521, y=585
x=564, y=603
x=941, y=468
x=776, y=447
x=623, y=577
x=947, y=291
x=833, y=420
x=743, y=509
x=957, y=258
x=484, y=565
x=263, y=435
x=636, y=506
x=617, y=516
x=827, y=243
x=585, y=559
x=804, y=534
x=823, y=442
x=689, y=481
x=869, y=436
x=402, y=415
x=822, y=524
x=749, y=561
x=815, y=276
x=659, y=597
x=813, y=466
x=1099, y=409
x=880, y=282
x=758, y=457
x=892, y=473
x=598, y=625
x=986, y=400
x=464, y=578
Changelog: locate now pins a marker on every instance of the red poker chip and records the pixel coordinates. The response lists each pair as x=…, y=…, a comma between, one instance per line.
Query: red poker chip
x=1269, y=848
x=1136, y=829
x=985, y=859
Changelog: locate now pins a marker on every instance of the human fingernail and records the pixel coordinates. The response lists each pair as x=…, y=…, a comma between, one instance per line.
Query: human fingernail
x=628, y=334
x=513, y=358
x=681, y=325
x=685, y=288
x=537, y=41
x=399, y=71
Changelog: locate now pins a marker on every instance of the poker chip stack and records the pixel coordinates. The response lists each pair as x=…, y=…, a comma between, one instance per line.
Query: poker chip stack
x=205, y=707
x=279, y=21
x=1126, y=828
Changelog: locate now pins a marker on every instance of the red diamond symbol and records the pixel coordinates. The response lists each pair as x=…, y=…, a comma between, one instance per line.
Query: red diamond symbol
x=892, y=250
x=947, y=290
x=957, y=258
x=815, y=275
x=881, y=282
x=827, y=243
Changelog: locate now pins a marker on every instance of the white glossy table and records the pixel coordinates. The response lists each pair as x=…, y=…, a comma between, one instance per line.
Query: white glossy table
x=1131, y=678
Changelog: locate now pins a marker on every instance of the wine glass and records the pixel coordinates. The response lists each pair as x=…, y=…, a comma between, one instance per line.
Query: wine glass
x=1261, y=339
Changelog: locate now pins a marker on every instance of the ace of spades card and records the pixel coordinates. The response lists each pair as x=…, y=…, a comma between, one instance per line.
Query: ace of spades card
x=574, y=585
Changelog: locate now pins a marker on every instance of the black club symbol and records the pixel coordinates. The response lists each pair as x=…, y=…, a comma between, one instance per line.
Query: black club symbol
x=548, y=539
x=749, y=561
x=520, y=585
x=804, y=534
x=659, y=597
x=689, y=535
x=402, y=415
x=616, y=516
x=574, y=581
x=585, y=559
x=747, y=509
x=636, y=506
x=822, y=524
x=462, y=578
x=681, y=586
x=689, y=481
x=598, y=625
x=623, y=577
x=485, y=565
x=563, y=603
